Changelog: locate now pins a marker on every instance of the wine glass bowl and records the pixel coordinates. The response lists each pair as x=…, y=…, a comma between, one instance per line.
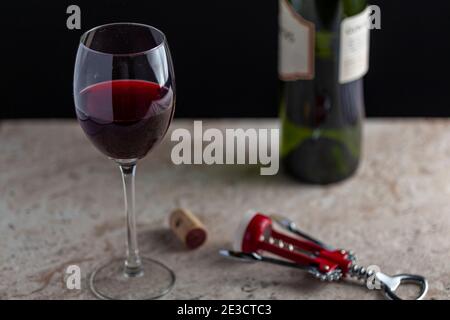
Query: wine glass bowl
x=124, y=92
x=124, y=88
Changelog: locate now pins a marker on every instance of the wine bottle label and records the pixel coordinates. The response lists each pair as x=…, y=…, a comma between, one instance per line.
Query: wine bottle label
x=354, y=47
x=296, y=45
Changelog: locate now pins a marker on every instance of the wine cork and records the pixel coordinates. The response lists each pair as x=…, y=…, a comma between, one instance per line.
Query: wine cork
x=188, y=228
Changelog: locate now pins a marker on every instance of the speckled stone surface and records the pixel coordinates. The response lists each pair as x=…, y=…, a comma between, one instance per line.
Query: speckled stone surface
x=61, y=204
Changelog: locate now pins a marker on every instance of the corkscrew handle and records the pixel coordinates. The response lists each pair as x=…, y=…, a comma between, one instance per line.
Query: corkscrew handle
x=391, y=284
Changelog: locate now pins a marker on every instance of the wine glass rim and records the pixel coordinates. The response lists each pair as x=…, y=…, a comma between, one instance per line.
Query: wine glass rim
x=137, y=53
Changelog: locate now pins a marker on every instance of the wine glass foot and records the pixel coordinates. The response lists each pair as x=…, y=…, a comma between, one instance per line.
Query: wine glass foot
x=110, y=282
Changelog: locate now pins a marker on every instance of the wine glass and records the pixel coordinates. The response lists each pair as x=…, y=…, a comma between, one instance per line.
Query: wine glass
x=124, y=91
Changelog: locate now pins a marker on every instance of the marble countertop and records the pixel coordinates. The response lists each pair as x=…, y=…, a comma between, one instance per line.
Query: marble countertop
x=61, y=204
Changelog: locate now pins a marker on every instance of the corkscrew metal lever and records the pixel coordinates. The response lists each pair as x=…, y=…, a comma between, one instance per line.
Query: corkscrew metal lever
x=256, y=234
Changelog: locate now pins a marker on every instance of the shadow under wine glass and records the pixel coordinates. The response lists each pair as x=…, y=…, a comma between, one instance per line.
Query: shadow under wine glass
x=124, y=91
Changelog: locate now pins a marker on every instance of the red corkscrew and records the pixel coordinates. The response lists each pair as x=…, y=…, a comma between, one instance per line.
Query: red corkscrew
x=257, y=235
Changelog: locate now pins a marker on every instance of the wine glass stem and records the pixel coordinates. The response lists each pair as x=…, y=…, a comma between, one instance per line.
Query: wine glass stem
x=133, y=265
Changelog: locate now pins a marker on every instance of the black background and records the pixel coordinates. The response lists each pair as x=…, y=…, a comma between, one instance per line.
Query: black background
x=225, y=55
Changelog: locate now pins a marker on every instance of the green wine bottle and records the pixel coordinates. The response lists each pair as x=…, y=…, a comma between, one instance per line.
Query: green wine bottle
x=324, y=49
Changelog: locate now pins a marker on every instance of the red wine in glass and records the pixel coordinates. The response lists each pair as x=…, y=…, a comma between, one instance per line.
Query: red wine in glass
x=124, y=92
x=125, y=119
